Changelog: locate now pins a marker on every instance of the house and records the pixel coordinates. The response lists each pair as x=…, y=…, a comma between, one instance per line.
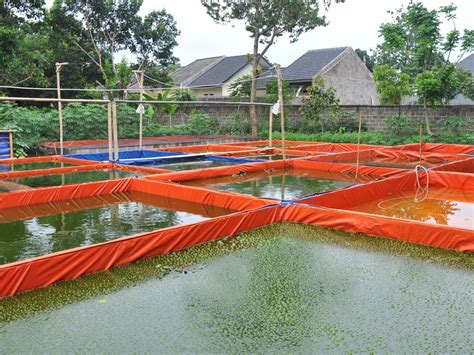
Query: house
x=212, y=77
x=340, y=68
x=466, y=64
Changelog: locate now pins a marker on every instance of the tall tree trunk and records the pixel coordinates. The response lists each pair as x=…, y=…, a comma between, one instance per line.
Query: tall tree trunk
x=427, y=121
x=253, y=90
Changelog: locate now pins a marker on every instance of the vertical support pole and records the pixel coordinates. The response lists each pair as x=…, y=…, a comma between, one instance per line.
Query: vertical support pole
x=60, y=107
x=270, y=128
x=115, y=130
x=282, y=111
x=10, y=138
x=109, y=130
x=140, y=83
x=421, y=144
x=358, y=145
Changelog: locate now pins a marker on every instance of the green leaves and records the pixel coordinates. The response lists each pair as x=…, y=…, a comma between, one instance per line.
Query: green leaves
x=392, y=86
x=319, y=100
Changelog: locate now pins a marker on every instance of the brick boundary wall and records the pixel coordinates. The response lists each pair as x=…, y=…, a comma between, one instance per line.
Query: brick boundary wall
x=375, y=118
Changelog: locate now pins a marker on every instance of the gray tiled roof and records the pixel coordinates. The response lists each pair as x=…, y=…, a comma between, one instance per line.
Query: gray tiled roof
x=311, y=63
x=467, y=63
x=185, y=75
x=223, y=70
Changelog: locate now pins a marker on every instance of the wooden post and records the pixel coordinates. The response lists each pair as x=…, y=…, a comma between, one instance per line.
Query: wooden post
x=60, y=107
x=140, y=83
x=109, y=131
x=115, y=130
x=358, y=145
x=282, y=112
x=270, y=127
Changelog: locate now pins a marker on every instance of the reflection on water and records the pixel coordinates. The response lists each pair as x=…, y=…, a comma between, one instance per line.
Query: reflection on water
x=33, y=166
x=391, y=162
x=452, y=207
x=192, y=165
x=73, y=178
x=281, y=184
x=283, y=288
x=41, y=229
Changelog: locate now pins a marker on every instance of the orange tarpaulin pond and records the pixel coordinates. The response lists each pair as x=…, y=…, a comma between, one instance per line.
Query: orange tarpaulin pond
x=432, y=207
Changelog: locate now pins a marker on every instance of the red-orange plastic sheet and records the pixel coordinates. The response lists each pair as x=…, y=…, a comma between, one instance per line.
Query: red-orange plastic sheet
x=91, y=165
x=45, y=270
x=463, y=166
x=333, y=211
x=322, y=167
x=389, y=156
x=336, y=147
x=442, y=148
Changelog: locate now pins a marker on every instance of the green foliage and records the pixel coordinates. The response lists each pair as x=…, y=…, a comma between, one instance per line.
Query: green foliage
x=455, y=124
x=379, y=138
x=202, y=123
x=317, y=102
x=369, y=60
x=392, y=86
x=241, y=87
x=236, y=123
x=272, y=91
x=401, y=126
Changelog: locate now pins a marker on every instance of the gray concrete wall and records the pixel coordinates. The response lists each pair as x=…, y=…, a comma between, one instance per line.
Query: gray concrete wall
x=375, y=118
x=352, y=80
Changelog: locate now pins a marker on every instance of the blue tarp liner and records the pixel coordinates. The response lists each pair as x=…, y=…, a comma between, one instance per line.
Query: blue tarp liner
x=126, y=154
x=146, y=157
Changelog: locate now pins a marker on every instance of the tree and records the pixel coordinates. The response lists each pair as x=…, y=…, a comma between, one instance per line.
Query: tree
x=22, y=43
x=241, y=87
x=267, y=20
x=413, y=44
x=368, y=59
x=114, y=26
x=318, y=101
x=391, y=85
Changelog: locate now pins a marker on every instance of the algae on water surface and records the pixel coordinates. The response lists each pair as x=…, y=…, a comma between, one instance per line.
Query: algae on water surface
x=285, y=287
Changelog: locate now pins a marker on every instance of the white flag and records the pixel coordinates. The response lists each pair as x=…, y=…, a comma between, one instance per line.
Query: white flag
x=141, y=109
x=276, y=108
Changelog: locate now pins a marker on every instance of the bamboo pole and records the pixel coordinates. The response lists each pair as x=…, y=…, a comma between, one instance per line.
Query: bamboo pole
x=282, y=112
x=270, y=128
x=43, y=99
x=60, y=107
x=140, y=83
x=421, y=144
x=109, y=131
x=358, y=145
x=115, y=130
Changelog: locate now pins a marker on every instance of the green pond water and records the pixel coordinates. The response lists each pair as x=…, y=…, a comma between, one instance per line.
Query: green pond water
x=282, y=288
x=277, y=184
x=41, y=229
x=192, y=165
x=34, y=166
x=73, y=178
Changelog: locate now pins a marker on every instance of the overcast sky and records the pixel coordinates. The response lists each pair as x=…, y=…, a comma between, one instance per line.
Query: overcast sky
x=354, y=23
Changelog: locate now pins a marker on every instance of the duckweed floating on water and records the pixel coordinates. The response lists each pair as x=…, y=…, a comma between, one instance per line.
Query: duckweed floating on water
x=285, y=287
